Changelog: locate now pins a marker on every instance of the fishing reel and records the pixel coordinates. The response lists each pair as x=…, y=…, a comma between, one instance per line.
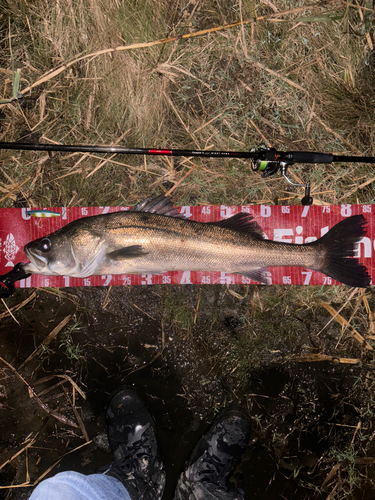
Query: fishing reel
x=273, y=162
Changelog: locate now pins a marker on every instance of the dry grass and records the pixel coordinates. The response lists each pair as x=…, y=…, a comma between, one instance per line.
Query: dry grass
x=296, y=78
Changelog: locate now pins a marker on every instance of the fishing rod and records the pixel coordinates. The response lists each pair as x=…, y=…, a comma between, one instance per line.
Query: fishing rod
x=268, y=161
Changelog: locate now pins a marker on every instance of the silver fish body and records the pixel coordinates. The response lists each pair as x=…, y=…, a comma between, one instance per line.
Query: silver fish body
x=144, y=242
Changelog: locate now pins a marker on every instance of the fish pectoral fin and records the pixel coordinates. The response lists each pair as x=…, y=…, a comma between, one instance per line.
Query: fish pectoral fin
x=126, y=253
x=256, y=275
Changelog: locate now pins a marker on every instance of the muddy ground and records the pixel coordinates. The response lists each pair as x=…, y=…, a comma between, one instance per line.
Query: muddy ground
x=190, y=351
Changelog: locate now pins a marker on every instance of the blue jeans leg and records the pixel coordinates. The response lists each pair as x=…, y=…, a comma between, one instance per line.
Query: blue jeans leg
x=75, y=486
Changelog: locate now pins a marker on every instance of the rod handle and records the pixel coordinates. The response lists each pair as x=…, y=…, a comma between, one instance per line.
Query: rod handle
x=308, y=157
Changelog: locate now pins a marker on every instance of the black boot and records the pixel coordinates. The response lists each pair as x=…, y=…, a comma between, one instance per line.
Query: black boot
x=214, y=459
x=132, y=437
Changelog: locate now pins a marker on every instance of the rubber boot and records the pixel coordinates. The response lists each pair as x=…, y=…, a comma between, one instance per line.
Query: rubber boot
x=214, y=459
x=132, y=437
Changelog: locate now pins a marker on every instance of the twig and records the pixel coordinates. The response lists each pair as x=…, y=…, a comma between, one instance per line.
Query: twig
x=338, y=136
x=78, y=417
x=51, y=388
x=106, y=298
x=356, y=188
x=53, y=414
x=103, y=162
x=80, y=391
x=15, y=189
x=44, y=379
x=365, y=461
x=237, y=295
x=58, y=461
x=258, y=130
x=197, y=307
x=144, y=312
x=343, y=322
x=345, y=326
x=316, y=358
x=29, y=443
x=345, y=425
x=354, y=291
x=181, y=180
x=271, y=17
x=258, y=396
x=79, y=170
x=207, y=123
x=358, y=427
x=47, y=340
x=263, y=67
x=144, y=366
x=180, y=119
x=60, y=294
x=9, y=311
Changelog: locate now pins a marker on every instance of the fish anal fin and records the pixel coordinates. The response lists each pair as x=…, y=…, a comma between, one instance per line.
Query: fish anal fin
x=126, y=253
x=242, y=222
x=256, y=275
x=161, y=205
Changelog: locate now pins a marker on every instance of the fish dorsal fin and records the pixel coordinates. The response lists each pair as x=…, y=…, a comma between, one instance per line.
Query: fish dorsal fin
x=161, y=205
x=242, y=222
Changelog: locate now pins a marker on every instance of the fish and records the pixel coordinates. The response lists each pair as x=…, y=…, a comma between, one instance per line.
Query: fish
x=42, y=213
x=153, y=238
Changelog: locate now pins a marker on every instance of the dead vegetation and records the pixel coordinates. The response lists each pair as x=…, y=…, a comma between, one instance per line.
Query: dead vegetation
x=209, y=75
x=138, y=75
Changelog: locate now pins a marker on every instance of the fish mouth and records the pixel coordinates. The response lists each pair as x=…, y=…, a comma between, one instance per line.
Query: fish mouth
x=37, y=262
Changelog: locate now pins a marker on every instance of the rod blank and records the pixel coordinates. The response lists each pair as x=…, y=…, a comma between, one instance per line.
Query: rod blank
x=262, y=154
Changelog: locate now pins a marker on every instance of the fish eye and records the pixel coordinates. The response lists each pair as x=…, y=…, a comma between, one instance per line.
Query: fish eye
x=44, y=245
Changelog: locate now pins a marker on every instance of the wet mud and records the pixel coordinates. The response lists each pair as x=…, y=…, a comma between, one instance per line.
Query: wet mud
x=190, y=351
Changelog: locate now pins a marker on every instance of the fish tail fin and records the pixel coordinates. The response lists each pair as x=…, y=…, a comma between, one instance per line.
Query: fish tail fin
x=339, y=246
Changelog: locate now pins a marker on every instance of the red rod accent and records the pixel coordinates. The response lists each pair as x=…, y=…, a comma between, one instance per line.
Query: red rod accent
x=160, y=151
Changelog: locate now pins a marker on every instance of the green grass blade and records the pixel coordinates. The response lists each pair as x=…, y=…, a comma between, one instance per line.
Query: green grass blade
x=324, y=18
x=16, y=83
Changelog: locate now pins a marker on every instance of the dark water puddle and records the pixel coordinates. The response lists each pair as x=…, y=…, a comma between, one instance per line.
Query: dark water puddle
x=188, y=363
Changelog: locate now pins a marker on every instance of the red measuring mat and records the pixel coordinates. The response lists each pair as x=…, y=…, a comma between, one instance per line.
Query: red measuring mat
x=291, y=224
